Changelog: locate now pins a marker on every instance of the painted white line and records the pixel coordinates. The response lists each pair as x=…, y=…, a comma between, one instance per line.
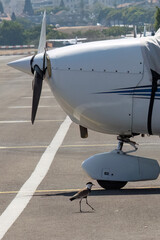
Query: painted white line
x=21, y=147
x=29, y=121
x=106, y=145
x=70, y=146
x=21, y=107
x=42, y=97
x=26, y=192
x=46, y=90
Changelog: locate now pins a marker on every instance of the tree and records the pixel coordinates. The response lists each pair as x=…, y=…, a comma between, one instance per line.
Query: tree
x=131, y=15
x=13, y=17
x=157, y=19
x=62, y=4
x=11, y=33
x=28, y=8
x=115, y=16
x=82, y=8
x=1, y=7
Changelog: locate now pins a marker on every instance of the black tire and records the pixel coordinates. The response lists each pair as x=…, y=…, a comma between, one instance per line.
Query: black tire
x=111, y=184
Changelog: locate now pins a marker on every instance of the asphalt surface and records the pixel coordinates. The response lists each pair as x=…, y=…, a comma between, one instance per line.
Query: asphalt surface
x=130, y=213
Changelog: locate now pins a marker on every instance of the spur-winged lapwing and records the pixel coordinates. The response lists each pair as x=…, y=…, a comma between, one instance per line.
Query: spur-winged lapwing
x=83, y=194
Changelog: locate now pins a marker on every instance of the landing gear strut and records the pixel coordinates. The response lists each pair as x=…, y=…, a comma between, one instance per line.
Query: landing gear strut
x=124, y=139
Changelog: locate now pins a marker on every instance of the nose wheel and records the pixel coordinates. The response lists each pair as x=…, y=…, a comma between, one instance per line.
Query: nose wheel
x=109, y=185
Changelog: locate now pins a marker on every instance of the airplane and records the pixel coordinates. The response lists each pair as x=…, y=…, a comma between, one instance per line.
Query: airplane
x=67, y=42
x=111, y=87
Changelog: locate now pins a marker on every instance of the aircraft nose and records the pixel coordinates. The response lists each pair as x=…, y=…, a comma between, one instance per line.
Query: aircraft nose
x=23, y=65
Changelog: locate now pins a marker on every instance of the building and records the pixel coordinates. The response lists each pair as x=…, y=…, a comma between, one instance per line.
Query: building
x=17, y=6
x=13, y=6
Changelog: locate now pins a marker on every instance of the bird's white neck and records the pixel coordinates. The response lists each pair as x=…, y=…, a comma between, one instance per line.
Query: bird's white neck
x=89, y=186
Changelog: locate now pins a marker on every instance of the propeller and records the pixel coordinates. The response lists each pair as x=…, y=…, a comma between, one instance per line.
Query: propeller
x=37, y=66
x=39, y=73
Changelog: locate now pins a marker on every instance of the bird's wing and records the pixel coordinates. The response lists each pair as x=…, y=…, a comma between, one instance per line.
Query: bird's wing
x=82, y=193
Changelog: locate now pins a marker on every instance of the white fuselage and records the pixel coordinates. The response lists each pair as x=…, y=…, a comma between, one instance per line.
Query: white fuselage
x=105, y=86
x=95, y=85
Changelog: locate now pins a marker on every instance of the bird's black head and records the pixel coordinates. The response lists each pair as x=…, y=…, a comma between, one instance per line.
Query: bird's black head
x=89, y=183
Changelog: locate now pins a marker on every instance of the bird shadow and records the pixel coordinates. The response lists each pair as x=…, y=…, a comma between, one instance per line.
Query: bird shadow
x=103, y=192
x=84, y=212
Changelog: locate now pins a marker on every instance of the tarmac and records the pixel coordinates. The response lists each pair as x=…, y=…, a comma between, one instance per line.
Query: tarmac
x=39, y=175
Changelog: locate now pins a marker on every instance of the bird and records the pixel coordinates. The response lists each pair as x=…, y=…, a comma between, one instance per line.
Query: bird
x=83, y=193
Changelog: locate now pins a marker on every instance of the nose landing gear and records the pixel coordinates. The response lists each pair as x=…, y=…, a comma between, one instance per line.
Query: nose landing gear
x=109, y=185
x=114, y=169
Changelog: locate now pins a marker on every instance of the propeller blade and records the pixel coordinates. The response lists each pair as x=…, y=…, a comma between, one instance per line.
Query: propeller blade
x=37, y=88
x=42, y=41
x=38, y=73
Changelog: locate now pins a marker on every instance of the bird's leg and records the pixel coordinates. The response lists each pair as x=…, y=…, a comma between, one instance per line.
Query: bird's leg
x=80, y=204
x=88, y=204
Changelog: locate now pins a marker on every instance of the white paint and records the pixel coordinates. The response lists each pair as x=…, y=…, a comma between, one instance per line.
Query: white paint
x=46, y=90
x=29, y=121
x=25, y=194
x=25, y=107
x=42, y=97
x=21, y=147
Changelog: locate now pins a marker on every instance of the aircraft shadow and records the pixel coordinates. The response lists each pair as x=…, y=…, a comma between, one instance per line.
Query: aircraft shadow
x=103, y=192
